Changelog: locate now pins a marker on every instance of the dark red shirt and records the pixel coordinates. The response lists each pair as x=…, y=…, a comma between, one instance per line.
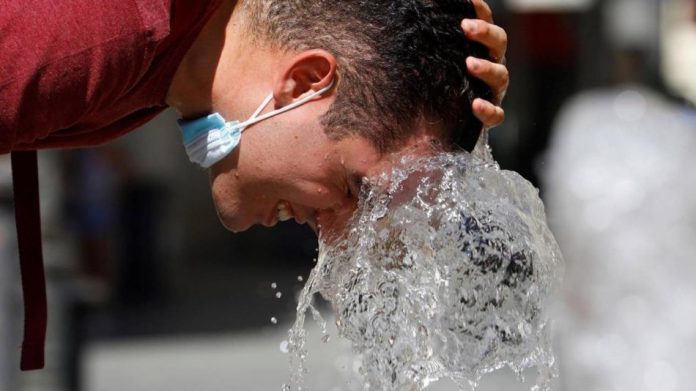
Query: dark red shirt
x=82, y=72
x=78, y=73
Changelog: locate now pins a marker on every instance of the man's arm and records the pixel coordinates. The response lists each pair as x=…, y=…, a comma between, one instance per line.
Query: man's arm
x=494, y=73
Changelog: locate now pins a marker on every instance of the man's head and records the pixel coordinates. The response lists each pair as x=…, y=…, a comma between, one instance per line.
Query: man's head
x=400, y=82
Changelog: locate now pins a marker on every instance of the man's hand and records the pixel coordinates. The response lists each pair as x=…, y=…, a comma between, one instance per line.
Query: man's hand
x=494, y=73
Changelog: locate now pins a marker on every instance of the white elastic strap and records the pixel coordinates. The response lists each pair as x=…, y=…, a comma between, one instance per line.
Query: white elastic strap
x=263, y=106
x=254, y=119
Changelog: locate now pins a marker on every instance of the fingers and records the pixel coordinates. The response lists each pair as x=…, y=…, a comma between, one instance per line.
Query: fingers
x=494, y=75
x=483, y=11
x=489, y=114
x=490, y=35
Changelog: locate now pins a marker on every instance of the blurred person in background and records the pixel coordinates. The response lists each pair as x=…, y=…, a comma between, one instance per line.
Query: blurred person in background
x=83, y=73
x=621, y=196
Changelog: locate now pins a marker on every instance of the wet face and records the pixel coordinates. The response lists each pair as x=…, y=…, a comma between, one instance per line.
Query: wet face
x=299, y=174
x=286, y=167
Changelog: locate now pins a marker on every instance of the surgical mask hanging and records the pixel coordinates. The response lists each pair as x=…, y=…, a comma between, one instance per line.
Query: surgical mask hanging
x=210, y=139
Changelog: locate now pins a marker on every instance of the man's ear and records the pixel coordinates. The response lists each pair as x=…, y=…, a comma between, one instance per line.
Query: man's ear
x=309, y=71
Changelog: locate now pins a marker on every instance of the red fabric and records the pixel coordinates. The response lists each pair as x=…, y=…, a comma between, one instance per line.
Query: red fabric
x=82, y=72
x=79, y=73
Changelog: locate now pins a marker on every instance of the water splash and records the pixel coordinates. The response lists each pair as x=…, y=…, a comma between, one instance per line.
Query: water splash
x=446, y=270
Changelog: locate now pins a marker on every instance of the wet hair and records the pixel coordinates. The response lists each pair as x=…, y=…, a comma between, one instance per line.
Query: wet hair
x=400, y=63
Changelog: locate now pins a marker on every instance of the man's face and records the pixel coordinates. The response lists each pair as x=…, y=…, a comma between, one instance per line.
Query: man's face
x=287, y=168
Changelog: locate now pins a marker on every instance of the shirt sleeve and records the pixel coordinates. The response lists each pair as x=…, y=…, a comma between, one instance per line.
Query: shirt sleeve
x=62, y=60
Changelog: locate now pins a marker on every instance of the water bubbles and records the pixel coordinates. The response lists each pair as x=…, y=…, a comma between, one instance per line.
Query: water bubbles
x=284, y=346
x=274, y=320
x=278, y=294
x=444, y=271
x=300, y=278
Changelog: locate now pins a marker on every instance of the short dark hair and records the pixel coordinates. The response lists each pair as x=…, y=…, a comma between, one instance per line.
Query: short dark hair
x=399, y=62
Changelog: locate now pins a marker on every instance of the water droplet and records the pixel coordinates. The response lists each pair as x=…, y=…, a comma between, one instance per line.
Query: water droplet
x=274, y=320
x=326, y=338
x=274, y=285
x=279, y=295
x=284, y=346
x=300, y=278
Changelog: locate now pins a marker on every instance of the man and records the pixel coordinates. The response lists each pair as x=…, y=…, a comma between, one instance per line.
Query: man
x=386, y=89
x=85, y=72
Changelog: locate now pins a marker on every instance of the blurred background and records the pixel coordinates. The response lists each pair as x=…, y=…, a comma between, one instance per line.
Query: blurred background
x=147, y=291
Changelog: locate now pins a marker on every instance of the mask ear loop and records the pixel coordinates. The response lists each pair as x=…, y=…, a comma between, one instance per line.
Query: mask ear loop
x=254, y=119
x=263, y=106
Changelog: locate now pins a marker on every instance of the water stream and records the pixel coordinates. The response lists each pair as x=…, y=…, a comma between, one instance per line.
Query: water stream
x=445, y=271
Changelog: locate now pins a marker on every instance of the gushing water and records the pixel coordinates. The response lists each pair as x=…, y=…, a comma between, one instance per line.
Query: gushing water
x=445, y=270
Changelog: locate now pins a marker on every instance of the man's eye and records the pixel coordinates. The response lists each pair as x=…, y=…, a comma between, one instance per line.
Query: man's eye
x=353, y=188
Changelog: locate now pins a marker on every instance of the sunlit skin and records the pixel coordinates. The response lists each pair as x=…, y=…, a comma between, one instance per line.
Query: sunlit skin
x=288, y=160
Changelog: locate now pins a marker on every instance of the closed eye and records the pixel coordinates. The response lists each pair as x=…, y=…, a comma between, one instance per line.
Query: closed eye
x=354, y=185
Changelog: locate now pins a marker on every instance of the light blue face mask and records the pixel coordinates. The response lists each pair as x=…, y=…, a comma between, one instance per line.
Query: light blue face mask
x=210, y=139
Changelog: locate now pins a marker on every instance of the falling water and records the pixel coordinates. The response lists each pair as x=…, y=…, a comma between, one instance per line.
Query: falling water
x=445, y=271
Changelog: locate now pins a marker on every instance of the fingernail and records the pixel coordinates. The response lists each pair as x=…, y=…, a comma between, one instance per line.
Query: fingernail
x=472, y=63
x=469, y=26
